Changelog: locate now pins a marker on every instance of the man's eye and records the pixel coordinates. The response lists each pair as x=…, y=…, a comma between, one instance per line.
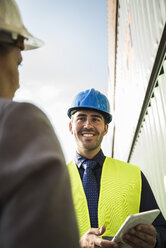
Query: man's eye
x=81, y=118
x=96, y=119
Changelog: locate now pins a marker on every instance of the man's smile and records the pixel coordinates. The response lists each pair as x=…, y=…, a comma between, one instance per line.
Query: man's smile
x=87, y=133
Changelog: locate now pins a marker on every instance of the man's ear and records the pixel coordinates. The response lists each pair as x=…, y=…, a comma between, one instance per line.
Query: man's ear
x=106, y=129
x=70, y=127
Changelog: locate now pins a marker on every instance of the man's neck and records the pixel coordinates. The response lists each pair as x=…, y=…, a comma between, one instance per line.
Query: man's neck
x=88, y=154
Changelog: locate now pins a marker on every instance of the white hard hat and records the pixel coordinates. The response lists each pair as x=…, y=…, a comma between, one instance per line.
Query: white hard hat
x=11, y=26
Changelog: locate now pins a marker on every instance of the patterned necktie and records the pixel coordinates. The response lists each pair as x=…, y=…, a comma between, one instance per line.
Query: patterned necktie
x=90, y=188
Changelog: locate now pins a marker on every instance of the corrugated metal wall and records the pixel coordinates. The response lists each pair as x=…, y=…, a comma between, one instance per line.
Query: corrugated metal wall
x=139, y=84
x=149, y=150
x=140, y=26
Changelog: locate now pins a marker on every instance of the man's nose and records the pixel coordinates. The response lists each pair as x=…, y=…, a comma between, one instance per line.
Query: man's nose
x=88, y=123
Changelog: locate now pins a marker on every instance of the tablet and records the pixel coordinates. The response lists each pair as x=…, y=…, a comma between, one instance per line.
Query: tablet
x=146, y=217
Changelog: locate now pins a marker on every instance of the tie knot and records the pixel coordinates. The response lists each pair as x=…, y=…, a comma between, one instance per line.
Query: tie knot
x=89, y=164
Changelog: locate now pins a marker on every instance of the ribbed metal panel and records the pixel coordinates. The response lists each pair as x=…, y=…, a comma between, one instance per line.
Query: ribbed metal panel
x=150, y=148
x=140, y=27
x=140, y=90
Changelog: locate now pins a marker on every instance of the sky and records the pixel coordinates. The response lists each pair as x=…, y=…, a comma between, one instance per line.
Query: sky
x=73, y=58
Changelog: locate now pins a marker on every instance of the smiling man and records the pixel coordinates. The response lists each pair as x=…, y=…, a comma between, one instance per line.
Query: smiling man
x=88, y=128
x=105, y=190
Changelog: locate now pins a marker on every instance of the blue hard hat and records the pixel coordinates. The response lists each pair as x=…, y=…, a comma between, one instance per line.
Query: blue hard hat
x=91, y=99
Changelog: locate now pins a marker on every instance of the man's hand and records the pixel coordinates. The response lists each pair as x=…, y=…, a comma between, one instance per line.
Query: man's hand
x=141, y=236
x=91, y=239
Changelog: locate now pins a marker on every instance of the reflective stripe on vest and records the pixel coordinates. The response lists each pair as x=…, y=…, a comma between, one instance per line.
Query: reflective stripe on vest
x=120, y=195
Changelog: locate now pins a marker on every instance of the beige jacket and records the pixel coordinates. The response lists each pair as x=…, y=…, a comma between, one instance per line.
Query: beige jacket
x=36, y=208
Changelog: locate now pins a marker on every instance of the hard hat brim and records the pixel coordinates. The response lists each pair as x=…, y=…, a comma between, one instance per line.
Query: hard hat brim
x=107, y=116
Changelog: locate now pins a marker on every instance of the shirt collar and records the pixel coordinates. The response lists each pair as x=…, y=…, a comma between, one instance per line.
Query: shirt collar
x=99, y=158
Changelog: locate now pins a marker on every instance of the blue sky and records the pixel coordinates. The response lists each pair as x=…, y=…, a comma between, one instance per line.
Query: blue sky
x=74, y=57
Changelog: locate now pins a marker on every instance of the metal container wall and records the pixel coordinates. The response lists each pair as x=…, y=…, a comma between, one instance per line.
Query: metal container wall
x=139, y=29
x=150, y=148
x=140, y=26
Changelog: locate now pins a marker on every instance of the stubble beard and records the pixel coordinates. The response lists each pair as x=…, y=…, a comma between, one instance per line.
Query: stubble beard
x=91, y=147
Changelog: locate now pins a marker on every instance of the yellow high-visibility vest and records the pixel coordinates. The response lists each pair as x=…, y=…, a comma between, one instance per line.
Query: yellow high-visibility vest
x=120, y=195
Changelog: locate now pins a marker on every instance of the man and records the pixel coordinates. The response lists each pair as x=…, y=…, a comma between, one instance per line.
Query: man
x=36, y=209
x=122, y=189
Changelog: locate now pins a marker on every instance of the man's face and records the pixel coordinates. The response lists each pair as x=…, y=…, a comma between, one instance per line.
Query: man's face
x=9, y=75
x=88, y=127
